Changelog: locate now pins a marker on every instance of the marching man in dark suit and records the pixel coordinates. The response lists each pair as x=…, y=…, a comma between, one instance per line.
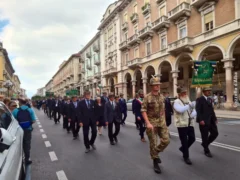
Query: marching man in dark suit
x=104, y=98
x=87, y=119
x=65, y=113
x=57, y=110
x=123, y=107
x=207, y=120
x=168, y=109
x=112, y=115
x=73, y=117
x=138, y=114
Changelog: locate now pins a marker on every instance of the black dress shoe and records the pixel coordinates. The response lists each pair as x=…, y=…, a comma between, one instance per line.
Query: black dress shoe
x=158, y=160
x=188, y=161
x=208, y=154
x=156, y=166
x=115, y=139
x=112, y=143
x=87, y=150
x=93, y=147
x=74, y=138
x=28, y=162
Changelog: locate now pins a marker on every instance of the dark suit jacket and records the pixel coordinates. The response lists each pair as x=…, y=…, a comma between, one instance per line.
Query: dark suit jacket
x=110, y=114
x=205, y=111
x=133, y=106
x=168, y=108
x=65, y=109
x=123, y=105
x=137, y=109
x=73, y=112
x=86, y=114
x=103, y=101
x=56, y=108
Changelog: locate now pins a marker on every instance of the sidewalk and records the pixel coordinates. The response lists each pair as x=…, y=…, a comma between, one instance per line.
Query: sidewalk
x=228, y=114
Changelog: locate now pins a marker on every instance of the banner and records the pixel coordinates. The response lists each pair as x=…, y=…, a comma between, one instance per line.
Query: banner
x=203, y=73
x=73, y=92
x=48, y=94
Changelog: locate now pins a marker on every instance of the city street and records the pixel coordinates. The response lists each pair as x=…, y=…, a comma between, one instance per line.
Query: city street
x=56, y=155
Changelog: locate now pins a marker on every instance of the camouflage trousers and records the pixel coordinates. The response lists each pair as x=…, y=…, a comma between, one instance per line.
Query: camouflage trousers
x=153, y=136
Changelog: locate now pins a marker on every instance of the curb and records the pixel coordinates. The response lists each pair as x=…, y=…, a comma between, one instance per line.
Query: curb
x=228, y=117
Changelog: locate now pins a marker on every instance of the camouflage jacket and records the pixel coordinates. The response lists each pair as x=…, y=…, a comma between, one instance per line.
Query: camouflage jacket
x=155, y=108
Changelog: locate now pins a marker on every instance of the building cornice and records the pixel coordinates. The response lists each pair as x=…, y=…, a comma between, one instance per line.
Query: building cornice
x=90, y=42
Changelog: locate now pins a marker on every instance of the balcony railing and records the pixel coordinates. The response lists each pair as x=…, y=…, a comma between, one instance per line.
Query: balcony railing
x=160, y=23
x=184, y=44
x=134, y=63
x=96, y=48
x=110, y=54
x=89, y=54
x=123, y=45
x=110, y=71
x=146, y=9
x=125, y=26
x=160, y=1
x=183, y=9
x=147, y=31
x=134, y=18
x=89, y=78
x=133, y=40
x=199, y=3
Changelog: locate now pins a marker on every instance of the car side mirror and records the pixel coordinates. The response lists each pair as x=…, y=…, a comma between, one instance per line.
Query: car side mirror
x=6, y=140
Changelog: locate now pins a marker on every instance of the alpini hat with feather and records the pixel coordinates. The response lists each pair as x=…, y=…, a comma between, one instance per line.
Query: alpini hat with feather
x=154, y=81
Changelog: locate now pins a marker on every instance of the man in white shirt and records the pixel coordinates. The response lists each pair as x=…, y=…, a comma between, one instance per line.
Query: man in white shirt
x=184, y=114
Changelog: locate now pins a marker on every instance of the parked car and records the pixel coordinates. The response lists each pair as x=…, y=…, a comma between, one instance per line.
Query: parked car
x=129, y=104
x=12, y=166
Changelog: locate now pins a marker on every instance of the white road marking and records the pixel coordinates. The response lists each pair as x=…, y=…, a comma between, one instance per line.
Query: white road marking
x=41, y=130
x=47, y=144
x=61, y=175
x=38, y=123
x=40, y=126
x=225, y=146
x=53, y=156
x=44, y=136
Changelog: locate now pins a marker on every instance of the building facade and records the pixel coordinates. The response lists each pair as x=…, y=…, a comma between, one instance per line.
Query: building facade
x=6, y=73
x=90, y=74
x=111, y=68
x=49, y=86
x=16, y=86
x=163, y=37
x=67, y=76
x=41, y=92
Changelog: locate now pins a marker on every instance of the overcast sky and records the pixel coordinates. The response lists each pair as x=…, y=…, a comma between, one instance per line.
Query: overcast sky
x=40, y=34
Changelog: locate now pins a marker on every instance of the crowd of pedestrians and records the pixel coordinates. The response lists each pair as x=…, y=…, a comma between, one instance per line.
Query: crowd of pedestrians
x=153, y=115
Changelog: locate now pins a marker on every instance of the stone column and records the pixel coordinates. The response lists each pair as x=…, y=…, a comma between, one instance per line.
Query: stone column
x=175, y=76
x=133, y=87
x=228, y=65
x=145, y=86
x=125, y=90
x=116, y=90
x=94, y=90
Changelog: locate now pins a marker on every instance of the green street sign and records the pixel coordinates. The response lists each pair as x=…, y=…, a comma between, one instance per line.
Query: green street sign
x=48, y=94
x=73, y=92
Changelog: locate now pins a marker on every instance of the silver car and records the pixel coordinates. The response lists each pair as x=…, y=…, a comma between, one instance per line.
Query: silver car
x=11, y=151
x=129, y=104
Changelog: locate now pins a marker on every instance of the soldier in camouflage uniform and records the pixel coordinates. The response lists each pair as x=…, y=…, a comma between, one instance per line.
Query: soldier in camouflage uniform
x=153, y=112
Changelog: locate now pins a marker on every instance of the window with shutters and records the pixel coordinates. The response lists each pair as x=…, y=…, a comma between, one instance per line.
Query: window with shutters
x=136, y=52
x=182, y=32
x=135, y=29
x=148, y=48
x=125, y=17
x=208, y=21
x=163, y=42
x=126, y=59
x=147, y=21
x=162, y=11
x=135, y=8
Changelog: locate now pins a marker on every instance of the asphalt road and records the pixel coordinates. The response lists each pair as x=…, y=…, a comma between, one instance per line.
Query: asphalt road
x=130, y=160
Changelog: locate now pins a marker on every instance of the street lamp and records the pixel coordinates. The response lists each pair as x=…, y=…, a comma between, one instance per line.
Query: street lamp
x=8, y=84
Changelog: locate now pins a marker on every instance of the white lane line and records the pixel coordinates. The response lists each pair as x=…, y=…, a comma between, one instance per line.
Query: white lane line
x=40, y=126
x=225, y=146
x=47, y=144
x=41, y=130
x=44, y=136
x=53, y=156
x=38, y=123
x=61, y=175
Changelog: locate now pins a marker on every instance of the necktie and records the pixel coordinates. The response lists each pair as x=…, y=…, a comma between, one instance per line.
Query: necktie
x=88, y=104
x=112, y=106
x=209, y=100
